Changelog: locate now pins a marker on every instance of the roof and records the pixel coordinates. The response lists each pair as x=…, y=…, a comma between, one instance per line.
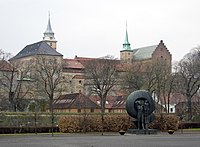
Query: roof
x=74, y=100
x=111, y=101
x=39, y=48
x=72, y=63
x=144, y=52
x=49, y=29
x=79, y=77
x=126, y=50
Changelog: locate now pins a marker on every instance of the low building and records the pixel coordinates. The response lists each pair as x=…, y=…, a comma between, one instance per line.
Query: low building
x=75, y=102
x=113, y=104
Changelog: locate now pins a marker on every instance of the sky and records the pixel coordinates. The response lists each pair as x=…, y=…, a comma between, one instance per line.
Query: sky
x=96, y=28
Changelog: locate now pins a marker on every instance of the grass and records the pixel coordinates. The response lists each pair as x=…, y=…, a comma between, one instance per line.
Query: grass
x=192, y=129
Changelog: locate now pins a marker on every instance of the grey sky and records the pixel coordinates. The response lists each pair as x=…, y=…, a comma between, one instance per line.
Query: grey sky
x=95, y=28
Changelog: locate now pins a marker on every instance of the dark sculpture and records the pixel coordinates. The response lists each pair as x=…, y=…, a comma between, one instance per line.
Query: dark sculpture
x=140, y=106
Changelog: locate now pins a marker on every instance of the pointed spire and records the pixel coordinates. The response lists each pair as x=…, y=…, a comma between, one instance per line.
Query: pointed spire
x=49, y=35
x=49, y=29
x=126, y=44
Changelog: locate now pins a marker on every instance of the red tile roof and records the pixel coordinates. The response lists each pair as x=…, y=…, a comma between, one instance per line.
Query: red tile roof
x=111, y=102
x=72, y=63
x=75, y=100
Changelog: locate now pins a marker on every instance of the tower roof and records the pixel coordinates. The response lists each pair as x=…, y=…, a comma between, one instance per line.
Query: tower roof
x=49, y=29
x=126, y=45
x=49, y=34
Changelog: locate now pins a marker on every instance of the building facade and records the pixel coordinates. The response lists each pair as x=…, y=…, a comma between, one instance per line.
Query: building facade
x=73, y=70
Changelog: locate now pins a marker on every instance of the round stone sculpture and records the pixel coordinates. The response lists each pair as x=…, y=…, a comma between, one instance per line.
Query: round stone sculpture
x=131, y=107
x=140, y=106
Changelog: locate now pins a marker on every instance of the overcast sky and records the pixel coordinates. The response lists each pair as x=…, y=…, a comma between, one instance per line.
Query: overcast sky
x=95, y=28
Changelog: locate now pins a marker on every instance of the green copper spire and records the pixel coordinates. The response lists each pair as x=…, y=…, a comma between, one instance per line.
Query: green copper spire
x=126, y=44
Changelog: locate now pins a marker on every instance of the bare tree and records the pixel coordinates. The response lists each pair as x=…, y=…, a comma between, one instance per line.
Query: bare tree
x=188, y=77
x=16, y=84
x=154, y=76
x=134, y=76
x=49, y=78
x=102, y=77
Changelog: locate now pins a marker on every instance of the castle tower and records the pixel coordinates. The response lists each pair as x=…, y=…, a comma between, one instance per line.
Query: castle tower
x=49, y=35
x=126, y=53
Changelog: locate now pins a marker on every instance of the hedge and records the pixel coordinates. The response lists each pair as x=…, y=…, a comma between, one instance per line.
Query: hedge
x=112, y=123
x=189, y=125
x=78, y=122
x=164, y=122
x=31, y=129
x=92, y=123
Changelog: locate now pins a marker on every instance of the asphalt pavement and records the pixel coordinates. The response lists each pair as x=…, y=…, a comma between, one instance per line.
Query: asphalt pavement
x=97, y=140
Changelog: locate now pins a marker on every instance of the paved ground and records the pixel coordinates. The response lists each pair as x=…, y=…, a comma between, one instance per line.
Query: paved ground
x=96, y=140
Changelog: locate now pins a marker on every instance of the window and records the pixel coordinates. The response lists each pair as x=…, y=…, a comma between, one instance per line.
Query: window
x=79, y=110
x=80, y=82
x=171, y=109
x=92, y=110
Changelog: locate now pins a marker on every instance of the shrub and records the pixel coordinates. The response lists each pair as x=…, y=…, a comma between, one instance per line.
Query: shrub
x=164, y=122
x=92, y=123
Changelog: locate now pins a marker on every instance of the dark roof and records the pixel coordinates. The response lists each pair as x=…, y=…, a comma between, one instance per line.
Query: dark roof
x=39, y=48
x=74, y=100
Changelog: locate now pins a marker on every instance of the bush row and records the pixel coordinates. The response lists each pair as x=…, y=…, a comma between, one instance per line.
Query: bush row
x=189, y=125
x=165, y=122
x=112, y=123
x=28, y=119
x=40, y=129
x=92, y=123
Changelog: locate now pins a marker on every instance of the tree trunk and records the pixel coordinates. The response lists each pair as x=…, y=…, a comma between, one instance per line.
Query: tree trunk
x=189, y=108
x=52, y=116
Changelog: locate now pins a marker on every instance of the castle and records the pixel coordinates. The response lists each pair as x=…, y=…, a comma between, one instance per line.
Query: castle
x=73, y=69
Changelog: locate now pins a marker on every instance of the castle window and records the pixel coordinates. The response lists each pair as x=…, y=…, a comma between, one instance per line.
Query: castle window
x=92, y=110
x=80, y=82
x=79, y=110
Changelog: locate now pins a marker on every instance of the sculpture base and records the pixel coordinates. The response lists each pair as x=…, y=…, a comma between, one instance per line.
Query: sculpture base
x=145, y=132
